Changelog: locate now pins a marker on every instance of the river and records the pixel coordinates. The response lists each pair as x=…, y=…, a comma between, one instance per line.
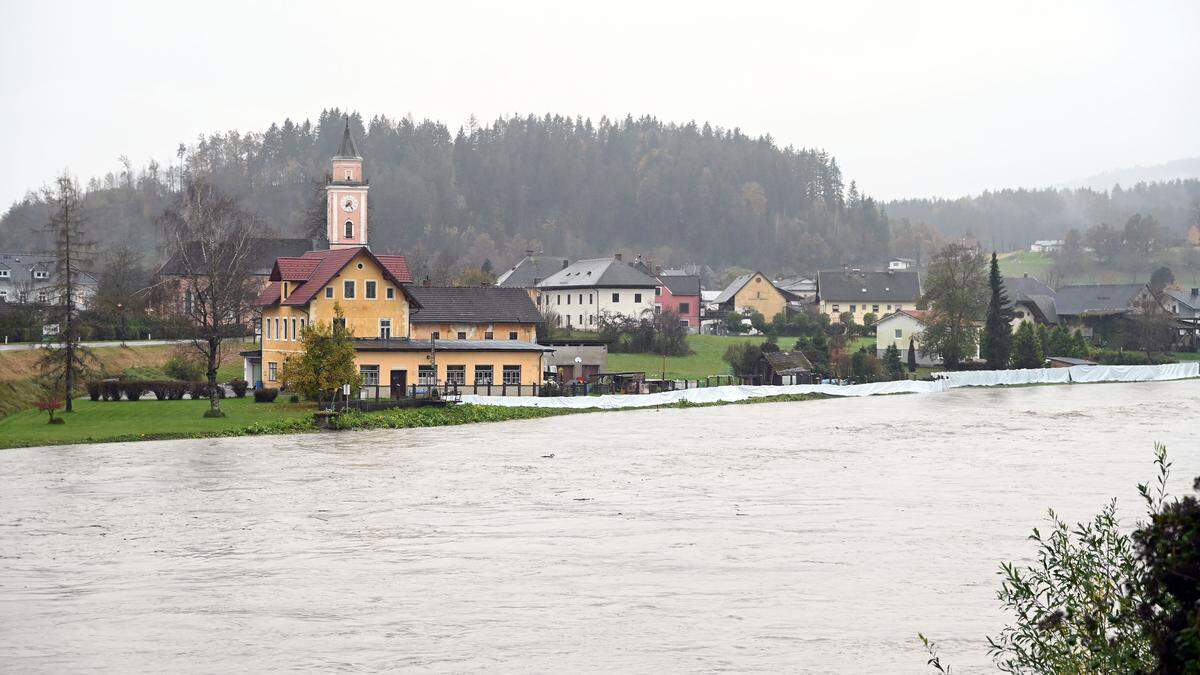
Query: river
x=815, y=536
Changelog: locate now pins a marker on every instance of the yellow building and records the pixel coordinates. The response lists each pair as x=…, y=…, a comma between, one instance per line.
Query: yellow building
x=447, y=336
x=753, y=292
x=866, y=292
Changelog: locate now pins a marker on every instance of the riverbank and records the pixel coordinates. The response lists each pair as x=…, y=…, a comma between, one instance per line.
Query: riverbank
x=115, y=421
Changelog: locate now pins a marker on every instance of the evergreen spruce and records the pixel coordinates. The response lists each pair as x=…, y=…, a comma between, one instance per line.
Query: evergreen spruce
x=912, y=356
x=1026, y=349
x=997, y=343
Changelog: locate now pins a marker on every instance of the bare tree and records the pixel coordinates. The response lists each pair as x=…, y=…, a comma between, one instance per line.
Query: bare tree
x=64, y=361
x=214, y=239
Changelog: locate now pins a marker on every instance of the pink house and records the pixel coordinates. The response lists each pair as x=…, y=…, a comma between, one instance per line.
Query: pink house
x=679, y=293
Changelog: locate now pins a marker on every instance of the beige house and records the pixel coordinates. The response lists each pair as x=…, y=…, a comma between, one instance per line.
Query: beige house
x=753, y=292
x=861, y=293
x=902, y=327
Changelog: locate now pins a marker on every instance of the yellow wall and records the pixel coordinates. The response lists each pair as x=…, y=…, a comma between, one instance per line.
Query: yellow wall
x=835, y=308
x=760, y=295
x=526, y=332
x=363, y=315
x=530, y=362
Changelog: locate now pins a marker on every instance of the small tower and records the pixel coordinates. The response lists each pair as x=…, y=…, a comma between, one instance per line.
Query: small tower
x=346, y=195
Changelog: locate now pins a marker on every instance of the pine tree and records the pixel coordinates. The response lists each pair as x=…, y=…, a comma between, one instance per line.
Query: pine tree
x=1079, y=345
x=1026, y=349
x=1060, y=342
x=891, y=362
x=912, y=356
x=1043, y=338
x=997, y=343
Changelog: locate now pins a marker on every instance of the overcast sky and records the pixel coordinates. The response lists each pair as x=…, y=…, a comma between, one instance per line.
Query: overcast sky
x=913, y=99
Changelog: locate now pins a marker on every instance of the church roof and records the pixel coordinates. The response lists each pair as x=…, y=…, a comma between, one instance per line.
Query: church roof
x=348, y=148
x=315, y=269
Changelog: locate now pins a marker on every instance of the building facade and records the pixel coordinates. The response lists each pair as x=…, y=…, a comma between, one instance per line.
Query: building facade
x=30, y=278
x=750, y=293
x=863, y=292
x=582, y=293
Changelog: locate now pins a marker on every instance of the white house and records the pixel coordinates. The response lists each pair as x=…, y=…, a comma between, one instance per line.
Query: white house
x=902, y=327
x=1046, y=245
x=901, y=264
x=580, y=293
x=31, y=278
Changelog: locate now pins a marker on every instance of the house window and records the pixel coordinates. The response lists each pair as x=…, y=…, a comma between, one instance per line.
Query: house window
x=591, y=319
x=436, y=335
x=426, y=374
x=277, y=333
x=637, y=297
x=391, y=293
x=487, y=335
x=285, y=330
x=369, y=289
x=4, y=274
x=329, y=291
x=42, y=296
x=853, y=308
x=512, y=335
x=348, y=289
x=349, y=229
x=539, y=300
x=272, y=370
x=557, y=319
x=512, y=374
x=685, y=307
x=295, y=335
x=658, y=290
x=899, y=333
x=456, y=375
x=684, y=323
x=370, y=375
x=590, y=299
x=301, y=326
x=875, y=308
x=483, y=375
x=580, y=319
x=616, y=297
x=1019, y=315
x=581, y=298
x=568, y=298
x=835, y=308
x=40, y=274
x=266, y=329
x=21, y=298
x=4, y=295
x=385, y=329
x=462, y=335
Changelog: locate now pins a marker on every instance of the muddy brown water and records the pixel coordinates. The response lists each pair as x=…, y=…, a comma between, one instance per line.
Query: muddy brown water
x=815, y=536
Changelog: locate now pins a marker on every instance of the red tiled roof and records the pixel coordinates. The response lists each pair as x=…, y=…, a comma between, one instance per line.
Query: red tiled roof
x=398, y=266
x=316, y=269
x=269, y=295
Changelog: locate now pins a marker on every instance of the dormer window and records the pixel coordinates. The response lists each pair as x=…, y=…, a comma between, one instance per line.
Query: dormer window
x=349, y=229
x=4, y=274
x=41, y=274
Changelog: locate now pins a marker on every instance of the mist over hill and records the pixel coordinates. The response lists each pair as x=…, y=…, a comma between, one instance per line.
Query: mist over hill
x=680, y=193
x=1174, y=170
x=570, y=186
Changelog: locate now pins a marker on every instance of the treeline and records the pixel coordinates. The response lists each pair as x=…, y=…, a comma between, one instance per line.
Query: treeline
x=1013, y=219
x=680, y=193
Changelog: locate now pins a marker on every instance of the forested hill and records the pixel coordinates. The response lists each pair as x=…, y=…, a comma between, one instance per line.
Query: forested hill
x=453, y=198
x=1014, y=218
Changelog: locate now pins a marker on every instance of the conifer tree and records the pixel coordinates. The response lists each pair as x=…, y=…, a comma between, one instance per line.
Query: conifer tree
x=1026, y=348
x=997, y=341
x=912, y=356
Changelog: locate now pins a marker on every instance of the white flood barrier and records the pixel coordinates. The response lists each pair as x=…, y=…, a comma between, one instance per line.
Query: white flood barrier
x=976, y=378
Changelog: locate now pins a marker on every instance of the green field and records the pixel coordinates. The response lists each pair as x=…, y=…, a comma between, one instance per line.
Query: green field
x=137, y=420
x=1039, y=265
x=705, y=359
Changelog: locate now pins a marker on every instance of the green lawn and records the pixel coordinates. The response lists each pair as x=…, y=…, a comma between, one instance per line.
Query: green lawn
x=1018, y=263
x=135, y=420
x=706, y=359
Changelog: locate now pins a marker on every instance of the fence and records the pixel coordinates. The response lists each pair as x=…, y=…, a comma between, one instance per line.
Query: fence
x=368, y=395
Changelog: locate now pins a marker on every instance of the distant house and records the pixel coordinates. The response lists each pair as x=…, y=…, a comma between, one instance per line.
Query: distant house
x=30, y=278
x=530, y=271
x=584, y=291
x=1045, y=245
x=901, y=264
x=473, y=313
x=901, y=327
x=1183, y=304
x=171, y=276
x=752, y=292
x=679, y=292
x=1095, y=307
x=860, y=292
x=574, y=358
x=783, y=368
x=803, y=287
x=1030, y=301
x=1193, y=235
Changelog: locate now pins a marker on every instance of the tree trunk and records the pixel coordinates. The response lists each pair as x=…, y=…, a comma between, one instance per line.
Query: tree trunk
x=70, y=373
x=214, y=400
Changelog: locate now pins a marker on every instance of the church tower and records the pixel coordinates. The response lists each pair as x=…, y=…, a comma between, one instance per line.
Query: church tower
x=346, y=196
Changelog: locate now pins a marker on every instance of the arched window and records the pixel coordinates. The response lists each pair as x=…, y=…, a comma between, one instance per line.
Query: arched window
x=349, y=229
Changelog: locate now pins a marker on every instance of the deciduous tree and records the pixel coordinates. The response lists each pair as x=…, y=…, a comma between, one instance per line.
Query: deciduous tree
x=957, y=295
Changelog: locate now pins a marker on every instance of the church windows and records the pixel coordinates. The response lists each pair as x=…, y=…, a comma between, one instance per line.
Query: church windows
x=349, y=229
x=348, y=289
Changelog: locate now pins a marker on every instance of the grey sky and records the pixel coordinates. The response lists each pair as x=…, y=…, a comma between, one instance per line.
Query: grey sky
x=912, y=98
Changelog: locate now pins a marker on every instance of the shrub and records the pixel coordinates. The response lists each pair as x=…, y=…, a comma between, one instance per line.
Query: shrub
x=742, y=357
x=239, y=387
x=1120, y=358
x=181, y=367
x=50, y=403
x=133, y=389
x=94, y=389
x=199, y=390
x=294, y=398
x=265, y=395
x=111, y=390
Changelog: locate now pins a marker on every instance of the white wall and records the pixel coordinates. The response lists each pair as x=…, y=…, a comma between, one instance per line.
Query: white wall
x=587, y=304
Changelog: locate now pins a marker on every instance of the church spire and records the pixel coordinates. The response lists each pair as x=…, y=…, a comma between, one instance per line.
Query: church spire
x=348, y=148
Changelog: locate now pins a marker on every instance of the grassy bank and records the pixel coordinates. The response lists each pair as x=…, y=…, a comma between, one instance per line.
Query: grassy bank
x=705, y=358
x=19, y=369
x=1018, y=263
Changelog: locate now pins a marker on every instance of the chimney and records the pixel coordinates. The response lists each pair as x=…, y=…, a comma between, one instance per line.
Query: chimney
x=617, y=256
x=658, y=269
x=426, y=282
x=1195, y=292
x=565, y=263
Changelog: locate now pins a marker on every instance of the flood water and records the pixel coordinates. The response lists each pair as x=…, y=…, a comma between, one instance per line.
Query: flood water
x=814, y=536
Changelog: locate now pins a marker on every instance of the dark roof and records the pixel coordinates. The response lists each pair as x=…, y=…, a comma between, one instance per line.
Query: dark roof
x=1017, y=287
x=265, y=251
x=479, y=304
x=1185, y=297
x=896, y=285
x=409, y=345
x=313, y=277
x=531, y=270
x=734, y=286
x=681, y=284
x=348, y=149
x=1096, y=299
x=784, y=363
x=599, y=273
